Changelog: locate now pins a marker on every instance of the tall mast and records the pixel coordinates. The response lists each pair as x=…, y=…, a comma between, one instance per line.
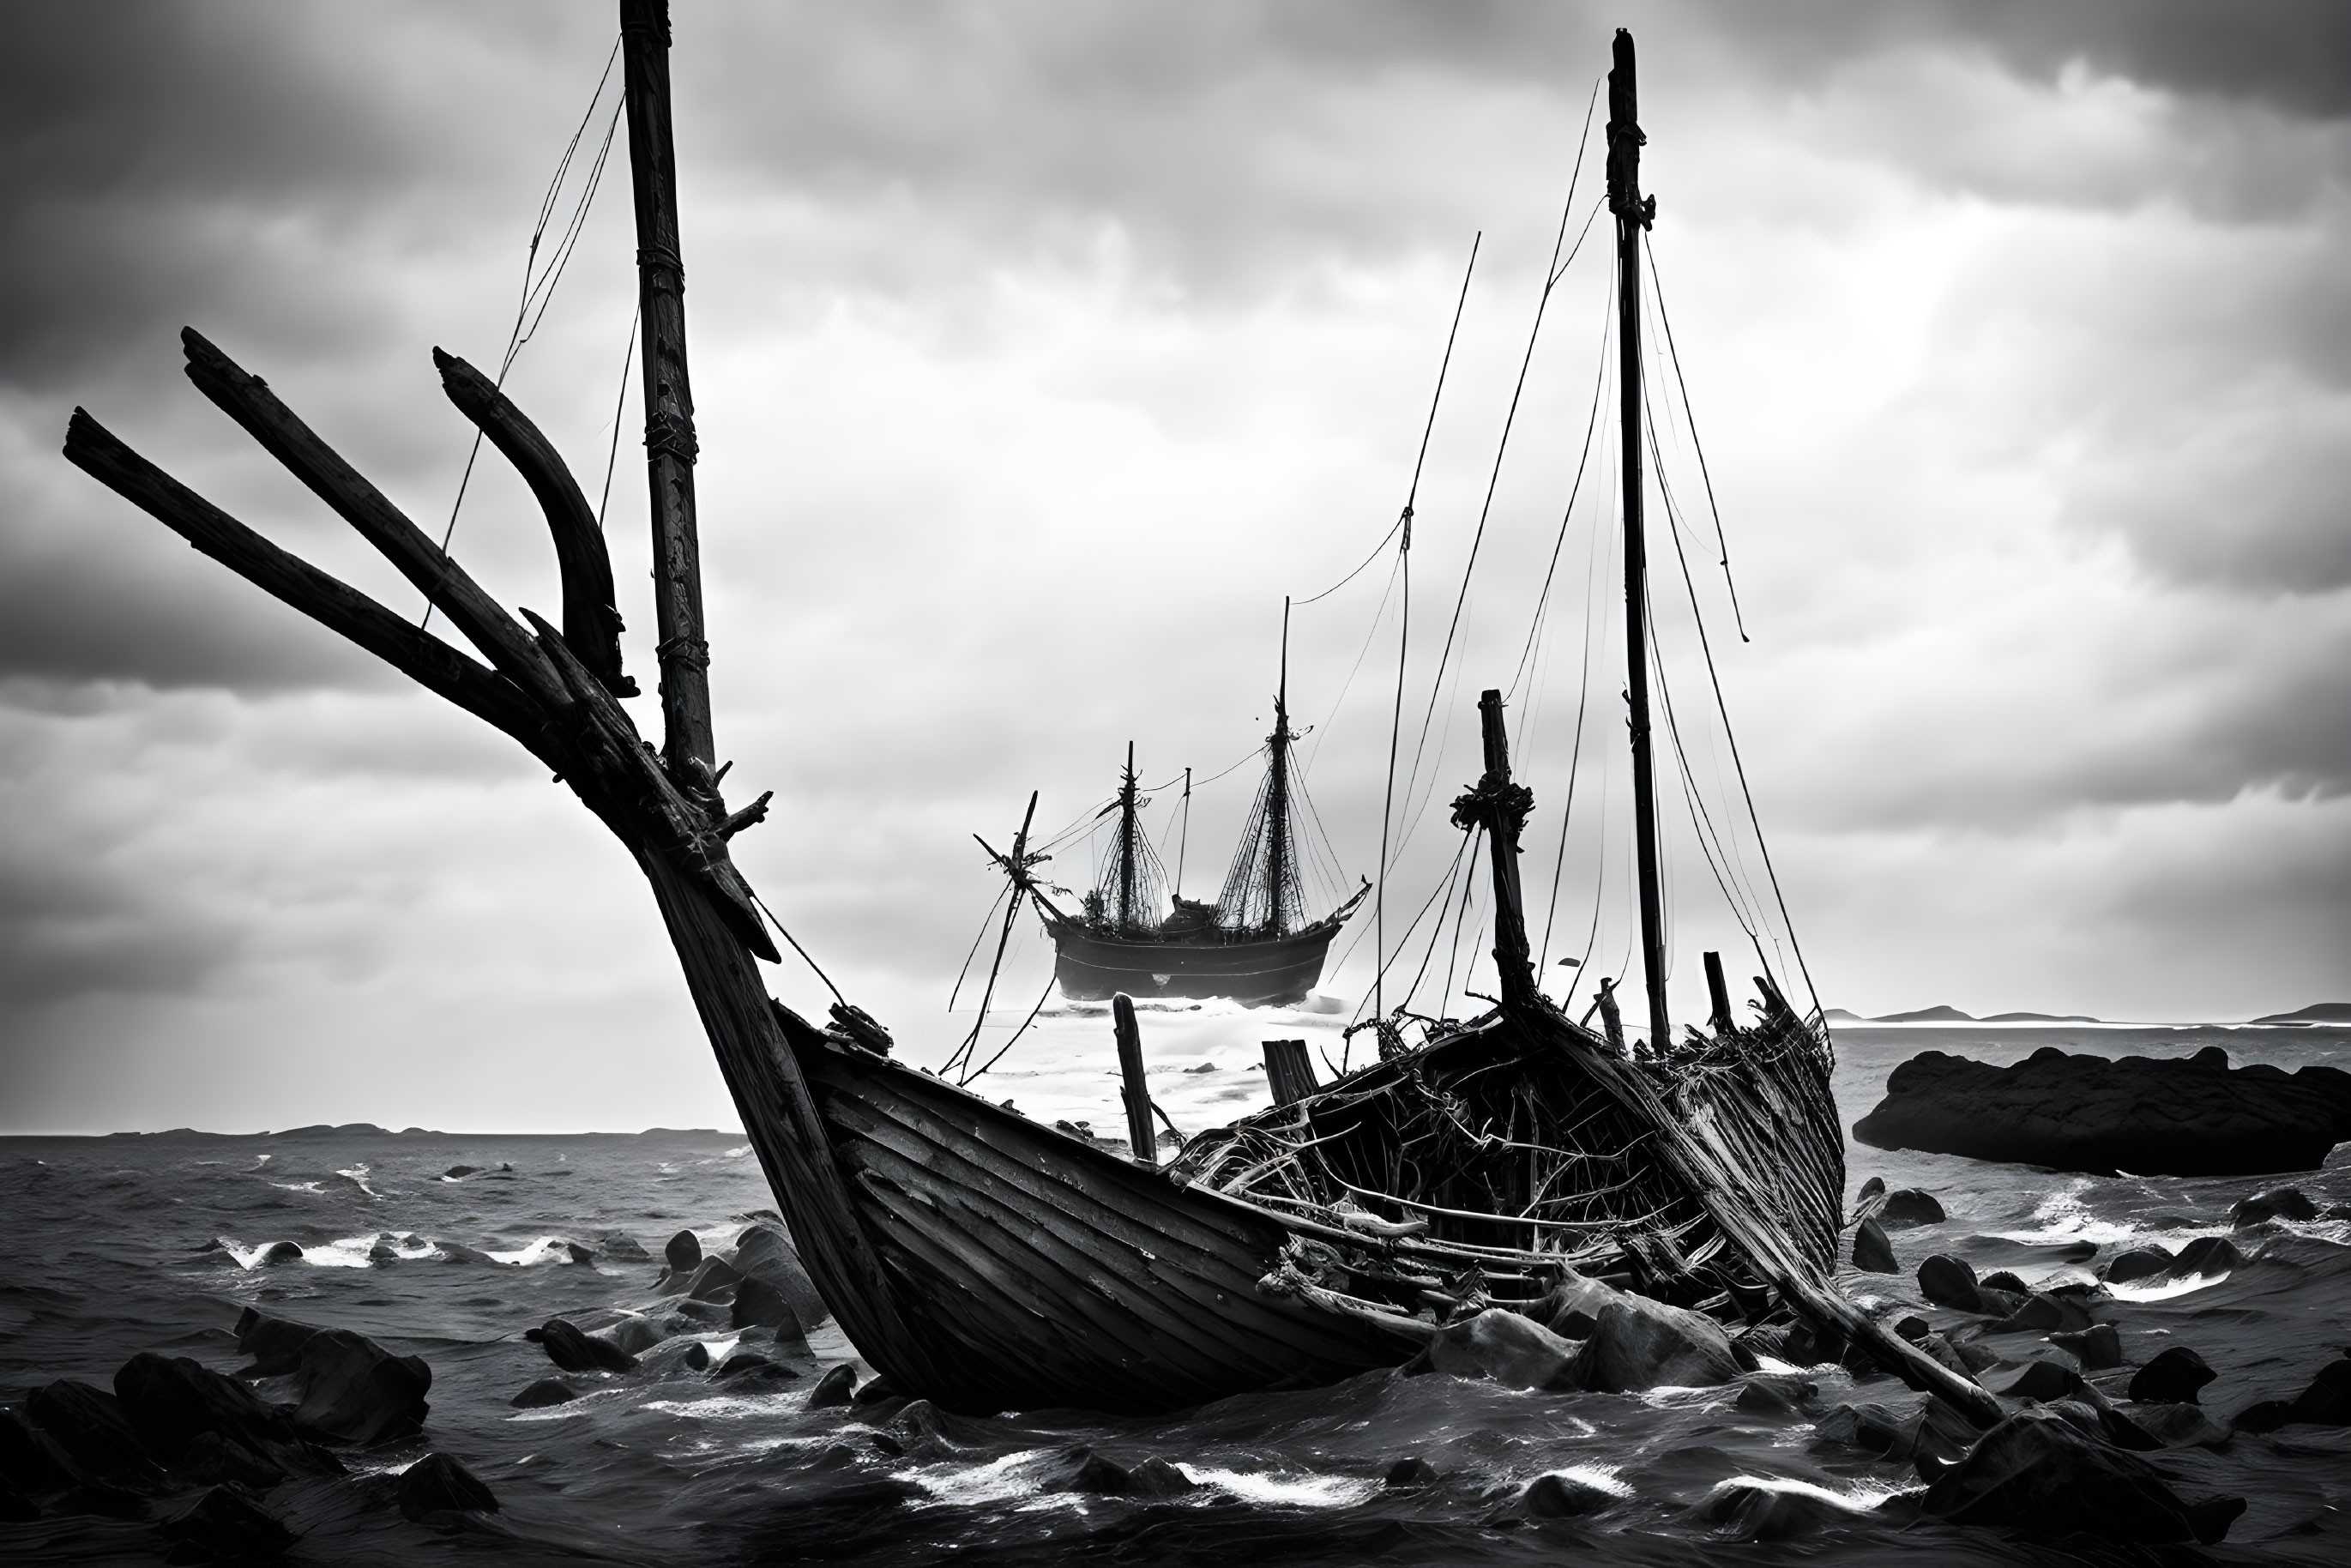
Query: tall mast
x=684, y=657
x=1277, y=796
x=1126, y=843
x=1633, y=215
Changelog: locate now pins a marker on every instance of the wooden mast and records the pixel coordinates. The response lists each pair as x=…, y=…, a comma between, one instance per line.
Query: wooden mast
x=687, y=745
x=1278, y=850
x=1126, y=844
x=1634, y=214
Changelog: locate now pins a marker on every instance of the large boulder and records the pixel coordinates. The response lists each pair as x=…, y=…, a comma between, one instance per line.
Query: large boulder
x=272, y=1346
x=2173, y=1377
x=1871, y=1252
x=765, y=1254
x=2139, y=1263
x=1907, y=1205
x=1638, y=1343
x=2175, y=1117
x=759, y=1304
x=574, y=1350
x=224, y=1525
x=2325, y=1403
x=88, y=1427
x=1503, y=1345
x=2278, y=1202
x=170, y=1401
x=1950, y=1282
x=31, y=1462
x=2039, y=1473
x=439, y=1484
x=353, y=1391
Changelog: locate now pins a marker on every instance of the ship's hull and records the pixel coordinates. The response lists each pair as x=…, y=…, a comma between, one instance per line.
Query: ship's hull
x=1088, y=966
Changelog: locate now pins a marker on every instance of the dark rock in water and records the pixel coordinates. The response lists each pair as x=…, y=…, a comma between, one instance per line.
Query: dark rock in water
x=2180, y=1425
x=281, y=1252
x=765, y=1253
x=31, y=1461
x=636, y=1335
x=683, y=1252
x=274, y=1344
x=697, y=1356
x=1874, y=1187
x=1908, y=1206
x=547, y=1391
x=1506, y=1346
x=2278, y=1202
x=759, y=1304
x=1871, y=1252
x=1638, y=1343
x=2138, y=1264
x=583, y=1256
x=576, y=1352
x=170, y=1401
x=89, y=1424
x=621, y=1245
x=1157, y=1479
x=1744, y=1511
x=2206, y=1255
x=2045, y=1381
x=1562, y=1497
x=711, y=1278
x=2098, y=1347
x=876, y=1390
x=837, y=1386
x=2325, y=1403
x=1928, y=1430
x=1083, y=1469
x=2173, y=1377
x=2090, y=1413
x=354, y=1391
x=459, y=1173
x=2039, y=1473
x=743, y=1360
x=1949, y=1282
x=2002, y=1280
x=439, y=1484
x=1411, y=1475
x=226, y=1525
x=2169, y=1117
x=1775, y=1394
x=2045, y=1314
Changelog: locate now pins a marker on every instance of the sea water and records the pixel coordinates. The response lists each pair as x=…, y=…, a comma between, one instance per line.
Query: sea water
x=112, y=1246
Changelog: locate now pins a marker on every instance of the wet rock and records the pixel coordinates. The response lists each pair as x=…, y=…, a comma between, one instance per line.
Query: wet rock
x=583, y=1256
x=765, y=1254
x=459, y=1252
x=759, y=1304
x=1774, y=1393
x=636, y=1335
x=621, y=1247
x=459, y=1173
x=170, y=1401
x=2325, y=1403
x=353, y=1391
x=2098, y=1347
x=2006, y=1281
x=711, y=1281
x=1871, y=1252
x=1506, y=1346
x=2206, y=1255
x=439, y=1484
x=744, y=1361
x=547, y=1391
x=2173, y=1377
x=382, y=1252
x=1157, y=1479
x=576, y=1352
x=2278, y=1202
x=2038, y=1472
x=1411, y=1475
x=273, y=1345
x=683, y=1252
x=2045, y=1381
x=1949, y=1282
x=2091, y=1416
x=1638, y=1343
x=2192, y=1116
x=1907, y=1207
x=2138, y=1264
x=696, y=1356
x=31, y=1461
x=1563, y=1497
x=2044, y=1315
x=1924, y=1429
x=1082, y=1469
x=837, y=1386
x=226, y=1525
x=705, y=1314
x=1745, y=1511
x=876, y=1390
x=89, y=1426
x=2180, y=1425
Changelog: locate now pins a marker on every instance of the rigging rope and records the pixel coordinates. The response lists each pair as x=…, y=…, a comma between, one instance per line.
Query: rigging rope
x=620, y=402
x=1689, y=417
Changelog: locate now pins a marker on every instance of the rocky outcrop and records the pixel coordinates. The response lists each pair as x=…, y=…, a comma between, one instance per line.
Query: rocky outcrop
x=1871, y=1252
x=2039, y=1473
x=2325, y=1403
x=439, y=1484
x=353, y=1391
x=2176, y=1116
x=1638, y=1343
x=1503, y=1345
x=2174, y=1377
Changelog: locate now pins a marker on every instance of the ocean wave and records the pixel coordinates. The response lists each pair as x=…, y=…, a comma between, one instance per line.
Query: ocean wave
x=1854, y=1497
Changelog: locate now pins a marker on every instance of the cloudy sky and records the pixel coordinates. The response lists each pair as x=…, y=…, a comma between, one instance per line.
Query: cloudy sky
x=1040, y=348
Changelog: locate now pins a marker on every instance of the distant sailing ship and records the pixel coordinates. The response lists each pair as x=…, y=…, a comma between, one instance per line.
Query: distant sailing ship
x=1253, y=945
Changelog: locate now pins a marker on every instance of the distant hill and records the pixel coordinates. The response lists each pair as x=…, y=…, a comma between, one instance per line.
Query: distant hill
x=2040, y=1018
x=1928, y=1015
x=1838, y=1015
x=2317, y=1012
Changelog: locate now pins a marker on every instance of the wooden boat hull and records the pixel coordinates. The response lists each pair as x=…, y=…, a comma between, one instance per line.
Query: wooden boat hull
x=1092, y=967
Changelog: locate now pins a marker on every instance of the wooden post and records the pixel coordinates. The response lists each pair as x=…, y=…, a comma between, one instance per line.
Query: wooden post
x=1140, y=1138
x=1719, y=993
x=1513, y=960
x=1633, y=215
x=687, y=745
x=1289, y=1070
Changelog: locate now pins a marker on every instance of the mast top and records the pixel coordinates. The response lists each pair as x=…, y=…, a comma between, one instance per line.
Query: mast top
x=1625, y=139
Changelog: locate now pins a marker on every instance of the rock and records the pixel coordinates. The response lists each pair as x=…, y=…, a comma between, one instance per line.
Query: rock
x=1573, y=1306
x=87, y=1425
x=1742, y=1511
x=576, y=1352
x=2325, y=1403
x=31, y=1461
x=1949, y=1282
x=2180, y=1425
x=2206, y=1255
x=2004, y=1280
x=1411, y=1475
x=1157, y=1479
x=1925, y=1428
x=226, y=1525
x=547, y=1391
x=2138, y=1264
x=1638, y=1344
x=1907, y=1207
x=2044, y=1315
x=2039, y=1473
x=759, y=1304
x=1083, y=1469
x=1871, y=1252
x=1562, y=1497
x=274, y=1344
x=2192, y=1116
x=765, y=1253
x=876, y=1390
x=439, y=1484
x=696, y=1356
x=1775, y=1394
x=280, y=1252
x=837, y=1386
x=711, y=1278
x=636, y=1335
x=683, y=1252
x=353, y=1391
x=2173, y=1377
x=1506, y=1346
x=743, y=1360
x=583, y=1256
x=2098, y=1347
x=2044, y=1381
x=621, y=1245
x=2088, y=1411
x=2278, y=1202
x=459, y=1173
x=170, y=1401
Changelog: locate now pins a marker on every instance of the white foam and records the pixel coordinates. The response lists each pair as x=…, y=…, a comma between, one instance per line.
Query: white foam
x=1602, y=1478
x=1284, y=1491
x=357, y=1175
x=1860, y=1497
x=2164, y=1288
x=544, y=1250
